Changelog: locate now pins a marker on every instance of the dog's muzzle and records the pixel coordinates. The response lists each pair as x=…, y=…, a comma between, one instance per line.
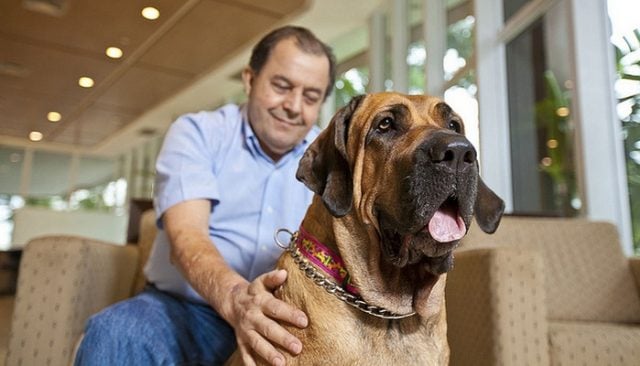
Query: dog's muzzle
x=438, y=204
x=449, y=155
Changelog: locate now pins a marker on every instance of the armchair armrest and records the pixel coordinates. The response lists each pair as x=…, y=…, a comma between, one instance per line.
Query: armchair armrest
x=634, y=266
x=62, y=281
x=496, y=309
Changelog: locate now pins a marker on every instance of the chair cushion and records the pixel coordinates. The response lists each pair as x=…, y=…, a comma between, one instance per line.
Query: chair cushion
x=587, y=276
x=594, y=344
x=495, y=314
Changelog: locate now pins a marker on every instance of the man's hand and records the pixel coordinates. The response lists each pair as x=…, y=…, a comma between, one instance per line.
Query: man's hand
x=253, y=312
x=250, y=308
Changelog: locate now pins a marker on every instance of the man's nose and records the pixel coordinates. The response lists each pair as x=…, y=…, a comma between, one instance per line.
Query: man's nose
x=293, y=103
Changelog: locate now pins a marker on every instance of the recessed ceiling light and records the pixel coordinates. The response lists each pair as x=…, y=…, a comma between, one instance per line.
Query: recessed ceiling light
x=85, y=82
x=150, y=13
x=114, y=52
x=54, y=116
x=35, y=136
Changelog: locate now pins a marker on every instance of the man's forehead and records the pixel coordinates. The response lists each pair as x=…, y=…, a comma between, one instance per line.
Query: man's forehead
x=287, y=50
x=290, y=62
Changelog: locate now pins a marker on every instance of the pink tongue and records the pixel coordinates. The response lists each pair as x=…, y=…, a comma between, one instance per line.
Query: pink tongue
x=446, y=226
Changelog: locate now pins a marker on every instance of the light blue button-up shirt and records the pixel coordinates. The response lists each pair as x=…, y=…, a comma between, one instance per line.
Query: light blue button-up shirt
x=215, y=155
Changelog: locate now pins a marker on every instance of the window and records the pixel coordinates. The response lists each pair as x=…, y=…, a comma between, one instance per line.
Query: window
x=541, y=125
x=626, y=40
x=56, y=181
x=49, y=176
x=349, y=84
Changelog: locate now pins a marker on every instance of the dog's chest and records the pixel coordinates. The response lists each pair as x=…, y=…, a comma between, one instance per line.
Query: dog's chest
x=353, y=342
x=339, y=334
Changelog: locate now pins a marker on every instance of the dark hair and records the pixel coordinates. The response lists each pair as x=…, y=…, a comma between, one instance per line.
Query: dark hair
x=305, y=40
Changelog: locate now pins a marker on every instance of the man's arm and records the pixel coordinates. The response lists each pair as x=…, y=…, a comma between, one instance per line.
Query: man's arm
x=242, y=304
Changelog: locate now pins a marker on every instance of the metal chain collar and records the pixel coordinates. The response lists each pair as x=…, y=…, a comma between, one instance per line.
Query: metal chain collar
x=331, y=287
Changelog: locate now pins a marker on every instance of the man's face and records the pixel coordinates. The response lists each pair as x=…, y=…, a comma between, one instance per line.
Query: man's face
x=286, y=96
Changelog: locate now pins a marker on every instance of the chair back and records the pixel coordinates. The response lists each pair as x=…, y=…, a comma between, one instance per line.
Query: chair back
x=587, y=276
x=147, y=235
x=62, y=281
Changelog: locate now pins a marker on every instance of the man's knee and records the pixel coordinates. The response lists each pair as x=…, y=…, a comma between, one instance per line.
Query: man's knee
x=126, y=329
x=116, y=322
x=155, y=328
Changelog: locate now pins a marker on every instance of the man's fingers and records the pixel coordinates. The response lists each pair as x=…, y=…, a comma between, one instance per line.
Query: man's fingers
x=265, y=350
x=275, y=308
x=279, y=310
x=275, y=333
x=261, y=333
x=247, y=360
x=274, y=279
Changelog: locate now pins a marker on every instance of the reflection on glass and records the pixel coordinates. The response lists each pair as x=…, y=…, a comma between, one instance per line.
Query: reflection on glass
x=458, y=63
x=351, y=83
x=416, y=59
x=541, y=124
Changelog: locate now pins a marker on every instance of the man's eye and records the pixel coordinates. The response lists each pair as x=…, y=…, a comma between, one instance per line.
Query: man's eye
x=311, y=99
x=454, y=126
x=280, y=87
x=385, y=125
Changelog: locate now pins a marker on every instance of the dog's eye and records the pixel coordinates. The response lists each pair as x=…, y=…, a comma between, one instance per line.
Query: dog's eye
x=454, y=126
x=385, y=125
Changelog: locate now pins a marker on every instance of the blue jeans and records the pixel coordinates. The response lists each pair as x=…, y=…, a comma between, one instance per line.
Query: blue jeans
x=156, y=328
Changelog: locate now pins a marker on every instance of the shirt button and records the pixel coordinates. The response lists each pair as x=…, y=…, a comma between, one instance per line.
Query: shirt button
x=264, y=248
x=269, y=209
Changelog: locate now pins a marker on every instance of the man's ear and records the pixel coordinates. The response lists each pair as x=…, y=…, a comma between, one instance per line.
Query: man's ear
x=247, y=79
x=488, y=208
x=324, y=168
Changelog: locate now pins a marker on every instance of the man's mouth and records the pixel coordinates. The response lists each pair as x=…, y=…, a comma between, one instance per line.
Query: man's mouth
x=279, y=116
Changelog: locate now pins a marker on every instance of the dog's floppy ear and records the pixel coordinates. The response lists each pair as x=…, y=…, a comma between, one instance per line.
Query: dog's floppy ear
x=324, y=168
x=488, y=208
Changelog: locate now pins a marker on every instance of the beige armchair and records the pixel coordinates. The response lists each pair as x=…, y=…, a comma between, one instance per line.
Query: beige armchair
x=62, y=281
x=544, y=292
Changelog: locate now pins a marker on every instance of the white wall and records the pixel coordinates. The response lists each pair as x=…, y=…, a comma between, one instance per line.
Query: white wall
x=32, y=222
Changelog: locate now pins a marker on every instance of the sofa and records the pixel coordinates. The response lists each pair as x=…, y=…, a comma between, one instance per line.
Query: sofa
x=544, y=291
x=62, y=281
x=537, y=292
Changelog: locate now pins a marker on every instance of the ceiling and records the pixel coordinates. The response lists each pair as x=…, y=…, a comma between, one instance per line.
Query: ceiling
x=185, y=60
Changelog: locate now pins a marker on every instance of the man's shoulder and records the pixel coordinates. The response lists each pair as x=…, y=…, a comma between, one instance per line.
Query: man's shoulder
x=222, y=120
x=229, y=113
x=313, y=133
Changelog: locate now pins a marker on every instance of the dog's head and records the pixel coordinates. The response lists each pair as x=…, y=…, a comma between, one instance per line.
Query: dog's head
x=401, y=165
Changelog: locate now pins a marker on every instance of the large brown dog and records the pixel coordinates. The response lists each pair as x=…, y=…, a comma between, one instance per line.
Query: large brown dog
x=396, y=186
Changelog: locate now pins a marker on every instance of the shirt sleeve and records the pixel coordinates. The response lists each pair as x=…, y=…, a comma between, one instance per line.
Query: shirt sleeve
x=185, y=166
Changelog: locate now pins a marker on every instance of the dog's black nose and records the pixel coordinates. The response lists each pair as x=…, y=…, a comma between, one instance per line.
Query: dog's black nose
x=450, y=150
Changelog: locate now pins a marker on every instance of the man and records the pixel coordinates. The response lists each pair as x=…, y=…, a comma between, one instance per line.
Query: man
x=225, y=183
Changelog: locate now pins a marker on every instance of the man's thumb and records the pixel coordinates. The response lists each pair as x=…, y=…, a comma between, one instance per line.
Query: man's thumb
x=274, y=279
